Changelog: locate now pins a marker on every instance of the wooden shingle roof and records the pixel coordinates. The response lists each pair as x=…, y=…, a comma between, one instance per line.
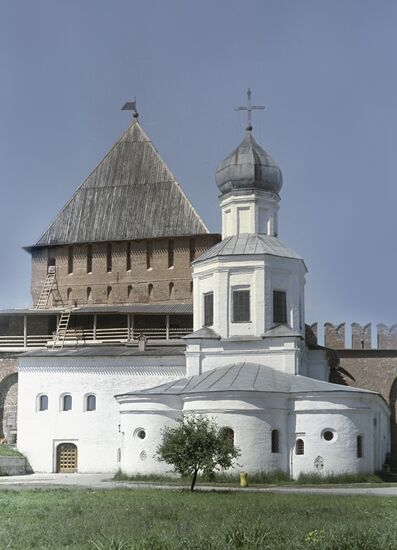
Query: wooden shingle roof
x=131, y=194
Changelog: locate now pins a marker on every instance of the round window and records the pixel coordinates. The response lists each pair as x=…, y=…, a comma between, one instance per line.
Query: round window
x=328, y=435
x=140, y=433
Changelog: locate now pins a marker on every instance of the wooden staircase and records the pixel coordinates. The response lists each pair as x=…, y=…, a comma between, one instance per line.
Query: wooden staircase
x=60, y=335
x=47, y=288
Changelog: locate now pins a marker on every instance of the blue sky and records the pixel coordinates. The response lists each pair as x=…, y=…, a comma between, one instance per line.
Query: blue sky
x=326, y=71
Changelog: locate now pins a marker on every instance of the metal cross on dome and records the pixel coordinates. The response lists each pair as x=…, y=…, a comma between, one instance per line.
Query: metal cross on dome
x=131, y=106
x=249, y=108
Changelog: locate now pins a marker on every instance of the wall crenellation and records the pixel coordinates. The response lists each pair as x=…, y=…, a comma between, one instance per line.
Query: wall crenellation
x=334, y=335
x=361, y=336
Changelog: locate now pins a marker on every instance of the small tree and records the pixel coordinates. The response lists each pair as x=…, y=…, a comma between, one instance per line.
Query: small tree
x=196, y=444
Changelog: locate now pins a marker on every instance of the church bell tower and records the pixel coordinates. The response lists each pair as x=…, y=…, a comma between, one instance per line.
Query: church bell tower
x=249, y=288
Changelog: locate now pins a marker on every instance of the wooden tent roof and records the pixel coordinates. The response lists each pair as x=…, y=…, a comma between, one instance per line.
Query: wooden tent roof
x=131, y=194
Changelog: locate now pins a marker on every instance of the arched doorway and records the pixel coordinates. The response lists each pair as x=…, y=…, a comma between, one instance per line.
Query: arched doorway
x=66, y=458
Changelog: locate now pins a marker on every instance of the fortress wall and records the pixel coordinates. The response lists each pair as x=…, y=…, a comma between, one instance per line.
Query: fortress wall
x=361, y=336
x=8, y=395
x=120, y=285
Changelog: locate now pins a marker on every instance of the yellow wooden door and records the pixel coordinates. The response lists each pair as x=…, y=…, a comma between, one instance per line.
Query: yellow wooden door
x=66, y=458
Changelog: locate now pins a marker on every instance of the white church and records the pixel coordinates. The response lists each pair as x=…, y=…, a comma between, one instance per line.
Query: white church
x=246, y=364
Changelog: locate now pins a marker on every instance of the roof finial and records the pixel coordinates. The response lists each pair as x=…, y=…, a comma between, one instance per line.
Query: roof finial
x=131, y=106
x=249, y=108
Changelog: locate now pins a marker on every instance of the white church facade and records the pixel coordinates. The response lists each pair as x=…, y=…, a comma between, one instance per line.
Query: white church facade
x=246, y=364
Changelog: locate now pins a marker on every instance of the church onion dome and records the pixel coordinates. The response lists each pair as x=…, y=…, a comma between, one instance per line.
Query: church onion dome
x=248, y=167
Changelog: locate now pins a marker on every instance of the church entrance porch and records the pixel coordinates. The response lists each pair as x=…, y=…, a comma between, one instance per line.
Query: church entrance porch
x=66, y=458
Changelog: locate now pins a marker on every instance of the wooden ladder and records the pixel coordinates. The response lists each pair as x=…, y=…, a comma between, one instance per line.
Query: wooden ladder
x=46, y=290
x=62, y=328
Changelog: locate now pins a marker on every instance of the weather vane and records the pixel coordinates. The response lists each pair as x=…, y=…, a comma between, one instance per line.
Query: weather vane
x=249, y=108
x=131, y=106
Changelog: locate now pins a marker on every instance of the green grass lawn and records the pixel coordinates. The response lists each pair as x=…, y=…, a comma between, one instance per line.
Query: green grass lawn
x=264, y=479
x=123, y=519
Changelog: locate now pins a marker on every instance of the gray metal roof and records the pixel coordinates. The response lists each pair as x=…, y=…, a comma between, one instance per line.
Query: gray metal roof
x=281, y=331
x=204, y=332
x=249, y=377
x=131, y=194
x=249, y=243
x=177, y=309
x=108, y=351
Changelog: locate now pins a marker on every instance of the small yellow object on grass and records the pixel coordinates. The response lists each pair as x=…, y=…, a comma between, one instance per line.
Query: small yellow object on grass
x=243, y=479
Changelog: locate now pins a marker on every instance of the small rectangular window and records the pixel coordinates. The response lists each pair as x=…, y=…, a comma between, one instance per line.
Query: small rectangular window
x=149, y=254
x=91, y=403
x=89, y=258
x=43, y=403
x=279, y=306
x=70, y=259
x=170, y=253
x=192, y=250
x=241, y=306
x=359, y=446
x=208, y=309
x=128, y=257
x=67, y=403
x=50, y=259
x=109, y=258
x=275, y=442
x=300, y=447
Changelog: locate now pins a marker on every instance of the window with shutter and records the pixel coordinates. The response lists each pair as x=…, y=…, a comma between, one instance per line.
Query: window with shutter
x=208, y=309
x=241, y=306
x=279, y=306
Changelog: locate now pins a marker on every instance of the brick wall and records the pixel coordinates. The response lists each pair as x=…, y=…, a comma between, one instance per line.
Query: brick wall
x=374, y=370
x=362, y=367
x=120, y=285
x=8, y=394
x=334, y=336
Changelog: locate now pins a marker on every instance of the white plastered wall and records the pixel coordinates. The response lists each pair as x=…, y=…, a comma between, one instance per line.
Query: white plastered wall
x=282, y=354
x=347, y=415
x=261, y=275
x=152, y=416
x=96, y=433
x=253, y=415
x=252, y=212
